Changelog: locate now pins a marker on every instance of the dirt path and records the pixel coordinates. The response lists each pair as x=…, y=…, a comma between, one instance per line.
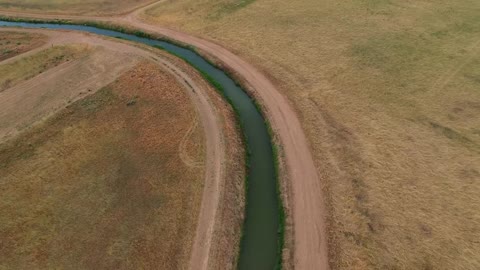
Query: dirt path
x=309, y=214
x=182, y=148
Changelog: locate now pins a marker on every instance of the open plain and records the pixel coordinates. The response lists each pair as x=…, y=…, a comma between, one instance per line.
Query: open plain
x=387, y=94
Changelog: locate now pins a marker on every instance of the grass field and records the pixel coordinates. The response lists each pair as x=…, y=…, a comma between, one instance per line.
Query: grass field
x=14, y=43
x=36, y=85
x=90, y=7
x=388, y=92
x=102, y=185
x=30, y=66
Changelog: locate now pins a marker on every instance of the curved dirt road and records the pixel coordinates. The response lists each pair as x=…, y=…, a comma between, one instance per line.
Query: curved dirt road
x=310, y=239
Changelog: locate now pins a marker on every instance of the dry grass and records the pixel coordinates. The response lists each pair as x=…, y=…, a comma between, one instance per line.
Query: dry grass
x=388, y=94
x=101, y=185
x=26, y=101
x=28, y=67
x=90, y=7
x=14, y=43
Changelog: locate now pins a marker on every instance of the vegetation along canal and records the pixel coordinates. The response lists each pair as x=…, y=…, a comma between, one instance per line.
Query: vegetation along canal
x=262, y=232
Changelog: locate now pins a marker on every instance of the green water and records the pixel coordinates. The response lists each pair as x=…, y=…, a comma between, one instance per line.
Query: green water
x=260, y=241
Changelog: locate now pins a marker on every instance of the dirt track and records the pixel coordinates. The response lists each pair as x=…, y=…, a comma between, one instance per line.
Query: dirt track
x=308, y=209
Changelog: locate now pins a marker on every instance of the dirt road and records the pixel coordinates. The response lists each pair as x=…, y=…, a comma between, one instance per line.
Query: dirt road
x=308, y=208
x=309, y=212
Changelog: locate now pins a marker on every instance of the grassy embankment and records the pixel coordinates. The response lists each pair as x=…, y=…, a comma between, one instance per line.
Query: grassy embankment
x=102, y=184
x=388, y=94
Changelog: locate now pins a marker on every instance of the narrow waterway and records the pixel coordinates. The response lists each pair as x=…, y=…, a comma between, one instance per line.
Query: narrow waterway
x=260, y=232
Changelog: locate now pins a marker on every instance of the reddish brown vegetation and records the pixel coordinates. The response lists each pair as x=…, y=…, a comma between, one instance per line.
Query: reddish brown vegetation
x=101, y=184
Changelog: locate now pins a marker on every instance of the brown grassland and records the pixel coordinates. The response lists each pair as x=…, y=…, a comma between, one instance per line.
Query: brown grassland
x=30, y=66
x=14, y=43
x=77, y=7
x=388, y=92
x=102, y=183
x=39, y=83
